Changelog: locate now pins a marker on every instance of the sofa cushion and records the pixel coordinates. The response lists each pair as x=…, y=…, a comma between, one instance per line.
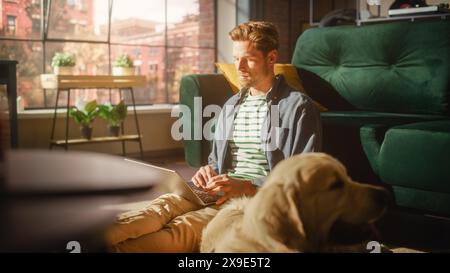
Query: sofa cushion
x=230, y=73
x=414, y=159
x=394, y=67
x=415, y=155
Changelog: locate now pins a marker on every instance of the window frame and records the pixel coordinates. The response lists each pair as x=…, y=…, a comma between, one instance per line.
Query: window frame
x=45, y=7
x=8, y=25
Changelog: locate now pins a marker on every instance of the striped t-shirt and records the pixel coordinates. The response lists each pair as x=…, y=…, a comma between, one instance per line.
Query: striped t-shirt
x=248, y=158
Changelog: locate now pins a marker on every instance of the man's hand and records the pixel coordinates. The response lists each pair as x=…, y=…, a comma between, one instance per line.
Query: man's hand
x=232, y=187
x=202, y=176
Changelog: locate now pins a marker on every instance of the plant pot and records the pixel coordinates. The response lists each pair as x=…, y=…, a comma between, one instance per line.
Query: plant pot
x=86, y=132
x=63, y=70
x=114, y=130
x=123, y=71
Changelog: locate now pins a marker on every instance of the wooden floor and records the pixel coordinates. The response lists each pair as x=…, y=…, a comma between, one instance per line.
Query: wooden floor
x=416, y=232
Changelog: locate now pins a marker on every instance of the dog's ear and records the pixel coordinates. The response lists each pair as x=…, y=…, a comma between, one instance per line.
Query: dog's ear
x=285, y=218
x=273, y=217
x=293, y=224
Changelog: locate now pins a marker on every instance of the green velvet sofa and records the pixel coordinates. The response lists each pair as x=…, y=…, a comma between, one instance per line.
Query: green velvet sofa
x=387, y=90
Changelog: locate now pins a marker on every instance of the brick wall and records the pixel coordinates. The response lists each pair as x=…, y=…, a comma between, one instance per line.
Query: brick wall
x=292, y=17
x=23, y=21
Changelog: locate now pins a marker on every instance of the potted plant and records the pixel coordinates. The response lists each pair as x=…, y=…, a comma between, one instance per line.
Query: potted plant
x=123, y=66
x=84, y=114
x=63, y=63
x=114, y=115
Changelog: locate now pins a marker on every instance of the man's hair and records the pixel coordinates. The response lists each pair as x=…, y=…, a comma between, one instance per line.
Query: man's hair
x=263, y=35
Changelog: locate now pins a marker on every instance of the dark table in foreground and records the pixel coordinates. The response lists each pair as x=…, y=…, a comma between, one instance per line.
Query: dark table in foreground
x=49, y=223
x=51, y=198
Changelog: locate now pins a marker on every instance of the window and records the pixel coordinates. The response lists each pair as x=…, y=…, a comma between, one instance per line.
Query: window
x=11, y=28
x=29, y=68
x=67, y=22
x=36, y=25
x=78, y=4
x=165, y=38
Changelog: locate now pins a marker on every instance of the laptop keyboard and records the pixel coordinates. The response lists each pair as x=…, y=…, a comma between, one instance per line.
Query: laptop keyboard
x=203, y=195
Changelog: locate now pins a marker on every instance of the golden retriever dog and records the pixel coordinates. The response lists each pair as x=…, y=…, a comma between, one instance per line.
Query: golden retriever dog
x=307, y=204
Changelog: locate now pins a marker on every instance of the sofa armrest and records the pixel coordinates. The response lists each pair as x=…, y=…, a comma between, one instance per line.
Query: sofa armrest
x=213, y=89
x=372, y=136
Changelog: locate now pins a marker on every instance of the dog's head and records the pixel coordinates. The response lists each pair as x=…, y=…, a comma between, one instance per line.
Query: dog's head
x=309, y=201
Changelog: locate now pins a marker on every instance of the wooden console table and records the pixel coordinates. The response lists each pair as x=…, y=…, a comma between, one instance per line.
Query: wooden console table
x=69, y=82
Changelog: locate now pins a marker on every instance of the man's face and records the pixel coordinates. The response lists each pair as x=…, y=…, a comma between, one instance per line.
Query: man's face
x=252, y=66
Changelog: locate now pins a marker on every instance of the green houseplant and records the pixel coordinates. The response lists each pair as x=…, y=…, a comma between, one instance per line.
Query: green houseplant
x=114, y=115
x=84, y=114
x=123, y=66
x=63, y=63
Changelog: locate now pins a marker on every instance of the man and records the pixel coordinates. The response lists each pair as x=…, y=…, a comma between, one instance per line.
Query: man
x=268, y=122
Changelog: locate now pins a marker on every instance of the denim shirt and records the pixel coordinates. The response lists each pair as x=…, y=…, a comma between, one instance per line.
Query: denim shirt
x=292, y=126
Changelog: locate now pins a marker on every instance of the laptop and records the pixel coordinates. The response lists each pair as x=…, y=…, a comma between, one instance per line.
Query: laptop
x=171, y=181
